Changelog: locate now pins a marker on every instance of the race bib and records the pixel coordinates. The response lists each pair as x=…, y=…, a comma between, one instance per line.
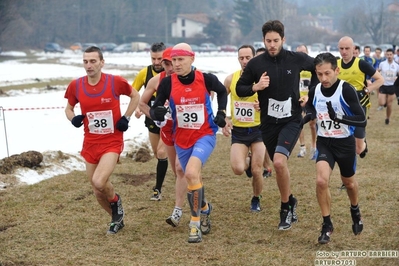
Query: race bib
x=190, y=116
x=279, y=109
x=244, y=111
x=100, y=122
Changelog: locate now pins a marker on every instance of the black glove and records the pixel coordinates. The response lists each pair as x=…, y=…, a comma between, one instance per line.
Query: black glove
x=219, y=119
x=331, y=112
x=158, y=113
x=77, y=120
x=122, y=124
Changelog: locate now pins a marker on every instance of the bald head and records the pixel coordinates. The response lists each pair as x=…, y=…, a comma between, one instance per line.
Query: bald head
x=182, y=58
x=346, y=40
x=346, y=47
x=302, y=48
x=182, y=46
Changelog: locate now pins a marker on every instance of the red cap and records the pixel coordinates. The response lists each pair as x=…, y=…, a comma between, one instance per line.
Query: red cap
x=166, y=54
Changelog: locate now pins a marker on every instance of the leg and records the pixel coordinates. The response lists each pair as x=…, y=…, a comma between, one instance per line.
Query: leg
x=312, y=126
x=238, y=156
x=390, y=99
x=99, y=178
x=258, y=150
x=162, y=168
x=302, y=149
x=267, y=164
x=280, y=162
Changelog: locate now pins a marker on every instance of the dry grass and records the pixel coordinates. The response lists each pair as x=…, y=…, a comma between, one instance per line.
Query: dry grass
x=58, y=221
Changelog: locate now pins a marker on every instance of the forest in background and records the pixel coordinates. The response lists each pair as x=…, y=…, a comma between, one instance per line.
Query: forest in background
x=31, y=23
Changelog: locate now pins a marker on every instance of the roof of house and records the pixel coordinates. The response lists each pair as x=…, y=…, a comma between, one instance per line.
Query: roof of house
x=199, y=17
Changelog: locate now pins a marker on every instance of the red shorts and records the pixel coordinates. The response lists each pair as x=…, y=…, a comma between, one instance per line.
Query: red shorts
x=167, y=133
x=92, y=152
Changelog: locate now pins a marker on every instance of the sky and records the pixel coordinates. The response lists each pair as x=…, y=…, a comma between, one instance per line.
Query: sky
x=34, y=119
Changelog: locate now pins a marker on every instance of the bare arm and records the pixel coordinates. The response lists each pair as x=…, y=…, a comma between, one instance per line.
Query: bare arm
x=133, y=103
x=69, y=112
x=147, y=94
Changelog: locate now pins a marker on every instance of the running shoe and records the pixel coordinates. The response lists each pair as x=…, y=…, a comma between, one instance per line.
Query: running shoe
x=174, y=219
x=285, y=220
x=313, y=154
x=206, y=220
x=363, y=153
x=357, y=226
x=156, y=195
x=267, y=172
x=115, y=227
x=117, y=210
x=195, y=235
x=326, y=231
x=387, y=121
x=248, y=172
x=302, y=152
x=255, y=204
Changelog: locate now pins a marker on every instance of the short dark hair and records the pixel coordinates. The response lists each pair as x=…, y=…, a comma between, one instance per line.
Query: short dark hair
x=326, y=58
x=367, y=46
x=390, y=50
x=273, y=25
x=357, y=47
x=157, y=47
x=247, y=46
x=92, y=49
x=378, y=49
x=260, y=49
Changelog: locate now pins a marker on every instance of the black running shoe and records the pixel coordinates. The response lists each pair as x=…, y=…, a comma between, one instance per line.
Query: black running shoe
x=326, y=231
x=285, y=220
x=293, y=206
x=357, y=226
x=115, y=227
x=267, y=172
x=248, y=172
x=363, y=153
x=117, y=210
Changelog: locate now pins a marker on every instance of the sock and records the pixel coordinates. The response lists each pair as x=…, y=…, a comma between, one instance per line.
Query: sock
x=162, y=167
x=327, y=219
x=204, y=203
x=285, y=205
x=115, y=199
x=194, y=196
x=354, y=207
x=256, y=198
x=178, y=211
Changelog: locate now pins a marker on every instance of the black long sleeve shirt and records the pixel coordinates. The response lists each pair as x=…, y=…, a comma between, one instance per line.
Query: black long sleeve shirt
x=283, y=71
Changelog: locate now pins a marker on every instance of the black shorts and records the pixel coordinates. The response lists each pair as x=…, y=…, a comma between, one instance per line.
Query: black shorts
x=387, y=89
x=151, y=126
x=282, y=137
x=342, y=151
x=246, y=135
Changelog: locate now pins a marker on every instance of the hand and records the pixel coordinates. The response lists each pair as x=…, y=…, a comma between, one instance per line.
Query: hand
x=160, y=124
x=122, y=124
x=158, y=113
x=262, y=83
x=220, y=119
x=331, y=112
x=77, y=120
x=227, y=129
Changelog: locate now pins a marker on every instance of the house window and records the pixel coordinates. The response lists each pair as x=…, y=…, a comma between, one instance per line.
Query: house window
x=183, y=22
x=183, y=33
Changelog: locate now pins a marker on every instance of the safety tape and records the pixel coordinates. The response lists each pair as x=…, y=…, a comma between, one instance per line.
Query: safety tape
x=38, y=108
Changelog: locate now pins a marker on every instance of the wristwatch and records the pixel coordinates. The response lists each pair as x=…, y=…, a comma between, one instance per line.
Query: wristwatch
x=366, y=90
x=339, y=116
x=128, y=118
